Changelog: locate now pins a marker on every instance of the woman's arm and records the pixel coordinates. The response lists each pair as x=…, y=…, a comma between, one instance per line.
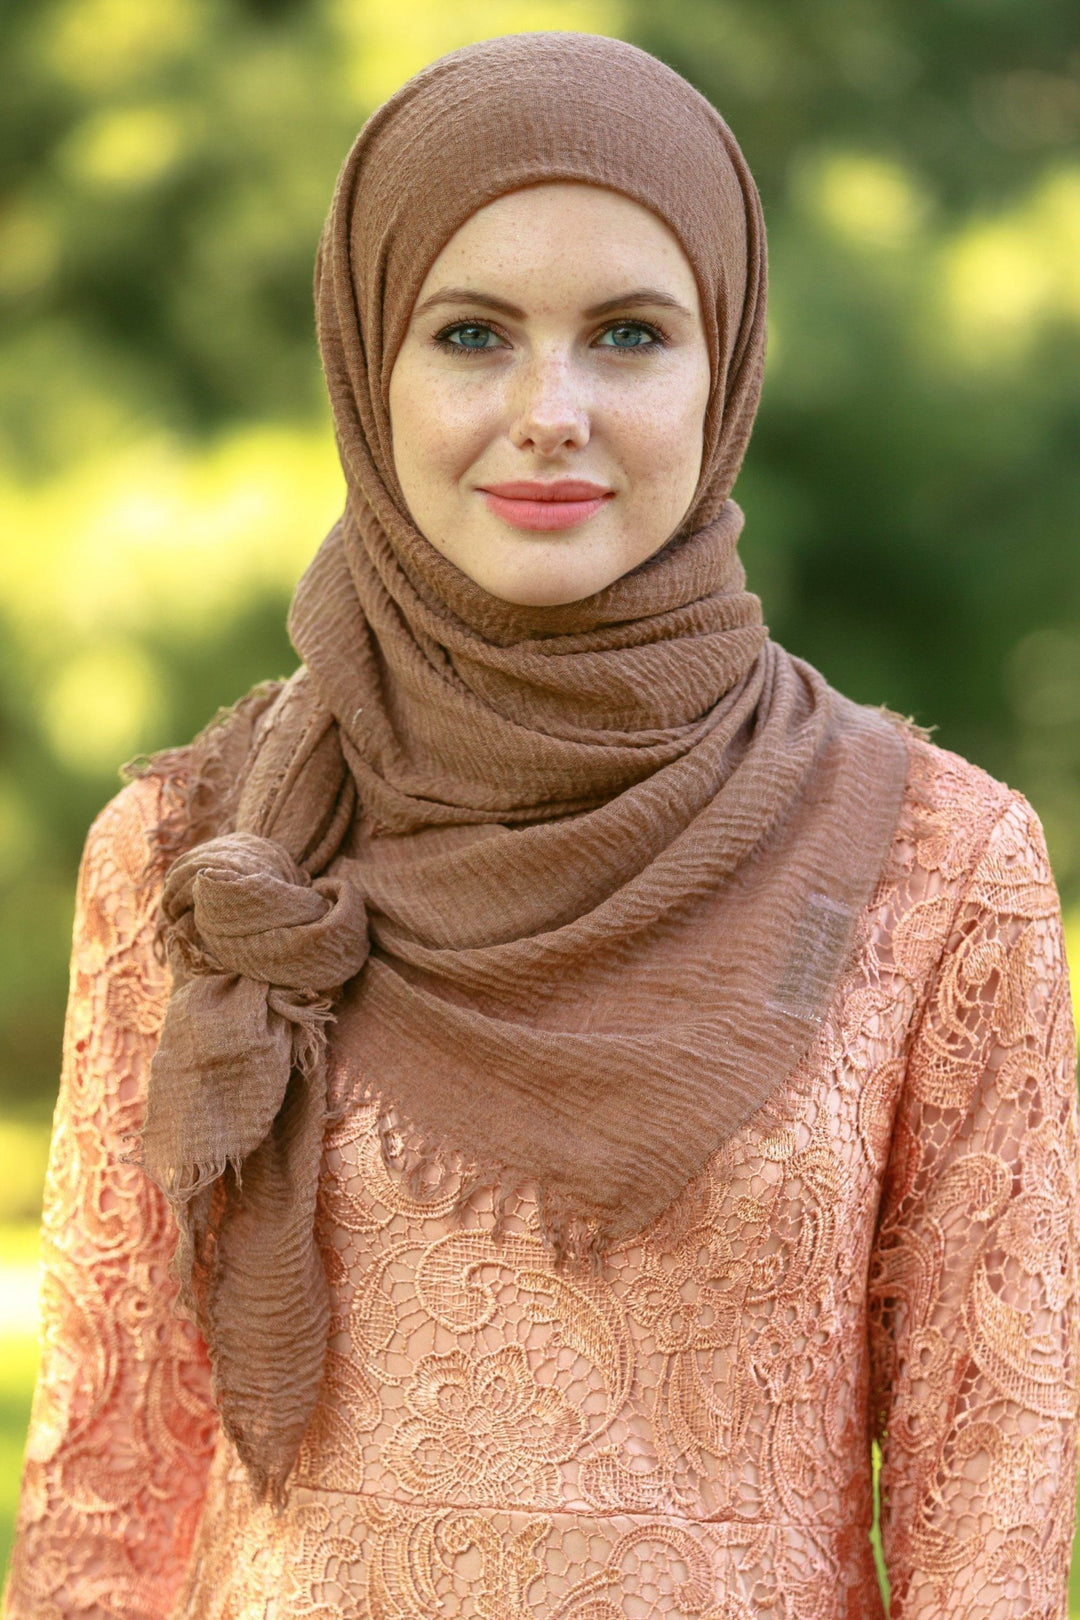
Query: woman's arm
x=123, y=1423
x=974, y=1277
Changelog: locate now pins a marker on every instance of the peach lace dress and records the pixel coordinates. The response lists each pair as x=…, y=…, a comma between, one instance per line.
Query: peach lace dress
x=888, y=1250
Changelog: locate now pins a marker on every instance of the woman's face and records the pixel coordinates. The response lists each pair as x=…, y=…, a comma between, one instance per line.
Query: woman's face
x=548, y=401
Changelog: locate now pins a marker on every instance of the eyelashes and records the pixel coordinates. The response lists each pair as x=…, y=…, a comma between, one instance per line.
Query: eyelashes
x=657, y=339
x=444, y=339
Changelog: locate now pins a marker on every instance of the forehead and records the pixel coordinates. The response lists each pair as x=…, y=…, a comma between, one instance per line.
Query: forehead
x=563, y=236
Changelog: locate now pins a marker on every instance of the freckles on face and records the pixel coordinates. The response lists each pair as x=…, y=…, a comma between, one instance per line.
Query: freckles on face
x=548, y=401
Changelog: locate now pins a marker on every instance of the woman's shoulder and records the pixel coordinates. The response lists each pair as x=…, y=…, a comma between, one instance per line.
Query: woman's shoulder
x=121, y=871
x=176, y=798
x=122, y=833
x=957, y=819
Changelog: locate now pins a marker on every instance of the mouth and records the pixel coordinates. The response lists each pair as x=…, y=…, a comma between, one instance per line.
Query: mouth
x=561, y=504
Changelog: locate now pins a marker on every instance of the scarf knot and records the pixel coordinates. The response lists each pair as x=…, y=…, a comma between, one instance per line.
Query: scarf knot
x=240, y=904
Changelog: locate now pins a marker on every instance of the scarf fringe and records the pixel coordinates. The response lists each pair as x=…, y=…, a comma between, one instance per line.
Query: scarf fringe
x=425, y=1161
x=310, y=1015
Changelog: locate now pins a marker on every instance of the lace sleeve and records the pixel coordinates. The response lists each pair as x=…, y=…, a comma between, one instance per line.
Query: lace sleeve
x=122, y=1424
x=974, y=1317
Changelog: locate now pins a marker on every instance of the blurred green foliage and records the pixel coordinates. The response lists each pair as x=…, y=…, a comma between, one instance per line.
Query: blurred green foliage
x=165, y=461
x=912, y=492
x=18, y=1366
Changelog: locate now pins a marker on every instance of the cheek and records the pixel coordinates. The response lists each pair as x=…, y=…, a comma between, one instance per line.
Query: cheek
x=440, y=424
x=660, y=432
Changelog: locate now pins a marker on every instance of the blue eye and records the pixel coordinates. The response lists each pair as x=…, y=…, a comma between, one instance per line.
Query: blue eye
x=469, y=335
x=629, y=335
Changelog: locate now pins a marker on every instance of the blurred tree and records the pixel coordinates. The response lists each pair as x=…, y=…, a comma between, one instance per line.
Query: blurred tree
x=164, y=169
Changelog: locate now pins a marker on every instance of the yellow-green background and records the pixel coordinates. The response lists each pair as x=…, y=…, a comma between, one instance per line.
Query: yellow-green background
x=166, y=467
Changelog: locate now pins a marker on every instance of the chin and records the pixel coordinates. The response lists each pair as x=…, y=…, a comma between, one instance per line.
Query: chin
x=542, y=588
x=538, y=573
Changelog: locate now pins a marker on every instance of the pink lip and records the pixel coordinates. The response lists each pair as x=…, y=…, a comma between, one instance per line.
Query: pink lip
x=530, y=504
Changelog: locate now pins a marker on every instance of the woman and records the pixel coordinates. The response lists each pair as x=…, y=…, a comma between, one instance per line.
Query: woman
x=605, y=1078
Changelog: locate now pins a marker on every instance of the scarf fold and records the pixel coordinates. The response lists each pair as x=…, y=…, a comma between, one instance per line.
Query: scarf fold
x=568, y=890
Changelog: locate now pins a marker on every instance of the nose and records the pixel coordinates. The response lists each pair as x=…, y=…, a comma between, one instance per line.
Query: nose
x=550, y=412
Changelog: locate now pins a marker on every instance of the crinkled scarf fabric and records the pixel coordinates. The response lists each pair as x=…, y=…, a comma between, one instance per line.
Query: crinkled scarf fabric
x=567, y=889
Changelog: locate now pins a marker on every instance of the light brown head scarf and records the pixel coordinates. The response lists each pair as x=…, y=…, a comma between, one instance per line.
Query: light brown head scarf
x=610, y=855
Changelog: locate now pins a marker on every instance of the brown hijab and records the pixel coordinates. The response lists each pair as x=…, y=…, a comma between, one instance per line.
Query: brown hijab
x=609, y=856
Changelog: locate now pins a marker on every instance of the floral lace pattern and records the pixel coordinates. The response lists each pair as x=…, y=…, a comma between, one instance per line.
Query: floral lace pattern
x=888, y=1249
x=123, y=1423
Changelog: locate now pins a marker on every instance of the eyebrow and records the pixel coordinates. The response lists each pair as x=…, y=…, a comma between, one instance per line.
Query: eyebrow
x=640, y=297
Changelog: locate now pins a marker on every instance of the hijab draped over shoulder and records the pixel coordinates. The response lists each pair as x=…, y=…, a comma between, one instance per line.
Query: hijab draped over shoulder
x=566, y=889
